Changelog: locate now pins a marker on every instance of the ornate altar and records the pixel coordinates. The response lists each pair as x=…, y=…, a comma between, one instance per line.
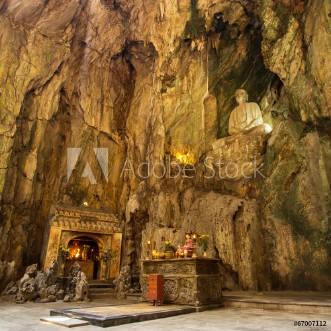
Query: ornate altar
x=195, y=281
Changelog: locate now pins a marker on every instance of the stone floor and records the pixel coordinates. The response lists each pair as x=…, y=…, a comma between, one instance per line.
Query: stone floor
x=26, y=317
x=284, y=297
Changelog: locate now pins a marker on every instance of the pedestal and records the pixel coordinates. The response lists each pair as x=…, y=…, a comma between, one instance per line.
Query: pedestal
x=190, y=281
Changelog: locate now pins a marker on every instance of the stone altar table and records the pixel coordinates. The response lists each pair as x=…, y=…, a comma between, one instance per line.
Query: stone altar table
x=187, y=281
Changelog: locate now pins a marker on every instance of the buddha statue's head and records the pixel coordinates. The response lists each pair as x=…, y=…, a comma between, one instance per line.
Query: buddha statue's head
x=241, y=96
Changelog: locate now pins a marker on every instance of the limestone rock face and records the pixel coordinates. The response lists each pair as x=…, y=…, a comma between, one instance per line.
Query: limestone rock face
x=123, y=282
x=27, y=291
x=239, y=156
x=8, y=273
x=153, y=83
x=296, y=44
x=10, y=289
x=78, y=288
x=234, y=229
x=47, y=287
x=82, y=288
x=27, y=287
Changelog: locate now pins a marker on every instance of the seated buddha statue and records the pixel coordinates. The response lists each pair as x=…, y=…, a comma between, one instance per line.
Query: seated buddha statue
x=245, y=116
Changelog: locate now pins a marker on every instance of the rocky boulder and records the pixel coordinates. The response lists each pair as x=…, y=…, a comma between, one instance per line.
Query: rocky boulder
x=78, y=288
x=123, y=282
x=47, y=287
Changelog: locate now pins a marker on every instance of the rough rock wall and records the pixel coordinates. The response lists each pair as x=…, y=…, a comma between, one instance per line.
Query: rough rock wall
x=147, y=79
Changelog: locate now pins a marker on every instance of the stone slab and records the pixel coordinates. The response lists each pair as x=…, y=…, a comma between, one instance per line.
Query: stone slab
x=123, y=314
x=64, y=321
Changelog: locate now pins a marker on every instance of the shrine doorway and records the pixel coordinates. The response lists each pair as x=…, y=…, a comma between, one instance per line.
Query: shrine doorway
x=84, y=250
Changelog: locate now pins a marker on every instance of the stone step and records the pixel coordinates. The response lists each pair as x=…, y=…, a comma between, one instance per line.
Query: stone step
x=99, y=281
x=133, y=296
x=64, y=321
x=101, y=285
x=102, y=290
x=102, y=295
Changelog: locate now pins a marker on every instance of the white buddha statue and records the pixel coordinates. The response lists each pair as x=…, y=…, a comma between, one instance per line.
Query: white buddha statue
x=245, y=116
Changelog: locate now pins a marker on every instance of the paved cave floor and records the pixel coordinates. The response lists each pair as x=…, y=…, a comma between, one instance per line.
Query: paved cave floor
x=26, y=317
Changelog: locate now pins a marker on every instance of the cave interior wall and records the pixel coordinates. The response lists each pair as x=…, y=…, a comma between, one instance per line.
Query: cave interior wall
x=148, y=79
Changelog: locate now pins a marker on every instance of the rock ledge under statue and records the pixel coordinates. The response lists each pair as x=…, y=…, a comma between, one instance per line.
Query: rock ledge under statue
x=236, y=157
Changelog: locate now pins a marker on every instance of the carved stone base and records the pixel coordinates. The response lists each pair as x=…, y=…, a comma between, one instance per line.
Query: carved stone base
x=237, y=157
x=194, y=282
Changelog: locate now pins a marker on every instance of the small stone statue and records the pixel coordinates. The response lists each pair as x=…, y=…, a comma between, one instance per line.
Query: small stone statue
x=187, y=249
x=245, y=116
x=85, y=252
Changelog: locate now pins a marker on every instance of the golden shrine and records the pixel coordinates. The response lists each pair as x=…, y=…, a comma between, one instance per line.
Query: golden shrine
x=89, y=236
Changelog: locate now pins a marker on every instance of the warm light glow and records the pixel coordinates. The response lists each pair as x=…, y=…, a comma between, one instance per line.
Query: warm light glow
x=148, y=242
x=187, y=157
x=85, y=203
x=267, y=128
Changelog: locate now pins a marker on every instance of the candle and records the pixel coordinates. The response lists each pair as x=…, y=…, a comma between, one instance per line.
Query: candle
x=148, y=250
x=194, y=239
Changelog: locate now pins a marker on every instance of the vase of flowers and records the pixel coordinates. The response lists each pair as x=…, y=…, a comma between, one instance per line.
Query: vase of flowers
x=105, y=257
x=168, y=250
x=63, y=255
x=203, y=241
